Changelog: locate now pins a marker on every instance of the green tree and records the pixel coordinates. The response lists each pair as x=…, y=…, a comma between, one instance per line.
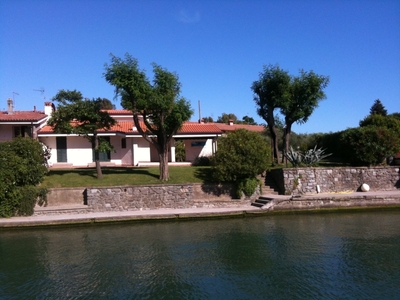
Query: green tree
x=105, y=103
x=306, y=91
x=270, y=91
x=378, y=120
x=23, y=165
x=296, y=97
x=157, y=106
x=208, y=120
x=369, y=145
x=248, y=120
x=241, y=156
x=378, y=109
x=226, y=118
x=76, y=115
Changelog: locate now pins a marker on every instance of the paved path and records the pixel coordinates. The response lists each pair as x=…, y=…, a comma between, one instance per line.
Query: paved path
x=112, y=216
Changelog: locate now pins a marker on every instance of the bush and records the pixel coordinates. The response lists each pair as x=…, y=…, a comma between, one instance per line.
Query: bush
x=201, y=161
x=370, y=145
x=241, y=156
x=23, y=165
x=180, y=152
x=247, y=187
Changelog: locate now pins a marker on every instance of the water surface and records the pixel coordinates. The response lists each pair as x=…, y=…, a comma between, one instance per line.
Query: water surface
x=327, y=256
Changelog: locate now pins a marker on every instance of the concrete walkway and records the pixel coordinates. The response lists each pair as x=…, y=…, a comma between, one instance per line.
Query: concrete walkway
x=113, y=216
x=165, y=214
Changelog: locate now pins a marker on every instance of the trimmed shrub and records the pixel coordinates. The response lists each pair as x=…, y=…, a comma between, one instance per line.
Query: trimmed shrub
x=241, y=156
x=370, y=145
x=23, y=165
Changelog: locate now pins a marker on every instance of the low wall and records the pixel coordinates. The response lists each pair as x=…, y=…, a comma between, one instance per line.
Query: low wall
x=356, y=200
x=338, y=179
x=120, y=198
x=66, y=196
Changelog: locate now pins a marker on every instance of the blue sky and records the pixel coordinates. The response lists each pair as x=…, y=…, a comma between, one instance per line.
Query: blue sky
x=218, y=48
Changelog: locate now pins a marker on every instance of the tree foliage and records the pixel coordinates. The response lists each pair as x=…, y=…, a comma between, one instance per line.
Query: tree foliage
x=306, y=91
x=76, y=115
x=270, y=90
x=377, y=120
x=378, y=109
x=248, y=120
x=158, y=109
x=227, y=118
x=377, y=139
x=241, y=156
x=105, y=103
x=23, y=165
x=296, y=97
x=369, y=145
x=208, y=120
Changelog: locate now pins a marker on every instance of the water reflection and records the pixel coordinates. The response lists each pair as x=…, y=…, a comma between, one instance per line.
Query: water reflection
x=346, y=256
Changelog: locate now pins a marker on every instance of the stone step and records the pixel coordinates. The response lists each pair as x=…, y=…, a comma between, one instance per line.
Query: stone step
x=261, y=201
x=61, y=210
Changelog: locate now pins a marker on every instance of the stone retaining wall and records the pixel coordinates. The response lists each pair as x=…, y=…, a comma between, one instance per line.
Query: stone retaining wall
x=120, y=198
x=316, y=202
x=338, y=179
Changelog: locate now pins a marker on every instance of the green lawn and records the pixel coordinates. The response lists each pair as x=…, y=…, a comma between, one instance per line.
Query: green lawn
x=87, y=177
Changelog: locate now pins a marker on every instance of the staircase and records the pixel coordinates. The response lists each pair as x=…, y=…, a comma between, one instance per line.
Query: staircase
x=262, y=201
x=269, y=187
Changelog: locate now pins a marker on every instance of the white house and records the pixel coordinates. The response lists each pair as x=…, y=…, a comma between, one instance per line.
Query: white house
x=130, y=148
x=22, y=123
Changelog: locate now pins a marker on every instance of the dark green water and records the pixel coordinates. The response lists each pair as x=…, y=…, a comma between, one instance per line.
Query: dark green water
x=328, y=256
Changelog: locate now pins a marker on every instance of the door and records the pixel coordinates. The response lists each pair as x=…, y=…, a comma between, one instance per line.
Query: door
x=61, y=144
x=103, y=156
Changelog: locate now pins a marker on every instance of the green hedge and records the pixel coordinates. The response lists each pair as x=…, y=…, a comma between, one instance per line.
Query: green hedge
x=23, y=165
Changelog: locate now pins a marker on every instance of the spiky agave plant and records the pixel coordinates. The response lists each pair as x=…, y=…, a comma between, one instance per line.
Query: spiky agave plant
x=313, y=156
x=294, y=157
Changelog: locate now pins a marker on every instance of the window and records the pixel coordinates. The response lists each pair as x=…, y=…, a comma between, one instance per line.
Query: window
x=198, y=144
x=123, y=143
x=24, y=131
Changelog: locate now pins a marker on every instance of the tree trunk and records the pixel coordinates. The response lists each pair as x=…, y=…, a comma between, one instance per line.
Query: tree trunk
x=164, y=173
x=286, y=141
x=272, y=131
x=274, y=138
x=97, y=157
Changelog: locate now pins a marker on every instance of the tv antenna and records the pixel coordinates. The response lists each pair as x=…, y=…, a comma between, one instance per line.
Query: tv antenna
x=41, y=92
x=14, y=93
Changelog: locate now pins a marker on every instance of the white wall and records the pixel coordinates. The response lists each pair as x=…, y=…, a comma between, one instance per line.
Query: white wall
x=6, y=133
x=121, y=156
x=141, y=150
x=192, y=152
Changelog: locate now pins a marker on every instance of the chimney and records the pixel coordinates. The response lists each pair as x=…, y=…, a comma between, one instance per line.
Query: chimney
x=201, y=121
x=10, y=106
x=49, y=108
x=34, y=108
x=230, y=122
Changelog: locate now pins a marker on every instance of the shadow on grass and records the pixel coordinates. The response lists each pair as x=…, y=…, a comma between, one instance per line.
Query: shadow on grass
x=204, y=174
x=91, y=172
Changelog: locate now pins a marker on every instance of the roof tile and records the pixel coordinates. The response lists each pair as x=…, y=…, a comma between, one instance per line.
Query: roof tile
x=18, y=116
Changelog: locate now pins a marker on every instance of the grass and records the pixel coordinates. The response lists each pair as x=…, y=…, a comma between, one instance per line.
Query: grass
x=87, y=177
x=118, y=176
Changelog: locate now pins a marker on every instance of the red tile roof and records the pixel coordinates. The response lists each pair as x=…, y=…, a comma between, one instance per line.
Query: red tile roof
x=114, y=112
x=226, y=127
x=22, y=116
x=127, y=128
x=194, y=127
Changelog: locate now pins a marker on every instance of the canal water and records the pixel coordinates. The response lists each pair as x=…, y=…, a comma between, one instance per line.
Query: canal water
x=299, y=256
